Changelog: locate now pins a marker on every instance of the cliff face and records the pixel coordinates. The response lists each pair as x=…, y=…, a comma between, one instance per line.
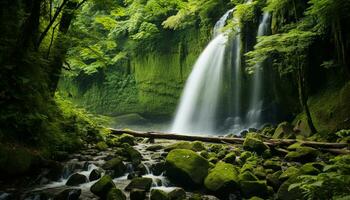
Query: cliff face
x=149, y=84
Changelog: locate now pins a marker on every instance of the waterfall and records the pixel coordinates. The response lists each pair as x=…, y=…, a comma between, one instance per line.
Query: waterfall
x=198, y=105
x=256, y=101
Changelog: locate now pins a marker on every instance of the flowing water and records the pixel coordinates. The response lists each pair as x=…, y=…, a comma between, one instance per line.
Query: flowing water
x=256, y=100
x=198, y=105
x=202, y=95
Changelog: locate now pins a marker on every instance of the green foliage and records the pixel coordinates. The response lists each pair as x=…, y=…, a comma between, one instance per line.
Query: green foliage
x=333, y=182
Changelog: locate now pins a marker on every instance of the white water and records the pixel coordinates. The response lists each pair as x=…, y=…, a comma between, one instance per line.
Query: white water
x=196, y=112
x=256, y=101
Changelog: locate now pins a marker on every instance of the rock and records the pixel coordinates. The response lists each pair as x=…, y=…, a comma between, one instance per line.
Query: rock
x=254, y=144
x=102, y=146
x=309, y=169
x=158, y=168
x=221, y=154
x=102, y=187
x=223, y=178
x=136, y=194
x=133, y=155
x=272, y=164
x=132, y=175
x=254, y=188
x=197, y=146
x=284, y=131
x=157, y=194
x=115, y=194
x=291, y=171
x=302, y=155
x=247, y=176
x=70, y=194
x=154, y=147
x=230, y=158
x=139, y=183
x=260, y=172
x=194, y=146
x=94, y=175
x=273, y=180
x=177, y=194
x=284, y=193
x=267, y=154
x=245, y=155
x=268, y=131
x=126, y=138
x=76, y=179
x=141, y=169
x=116, y=165
x=186, y=167
x=213, y=160
x=216, y=148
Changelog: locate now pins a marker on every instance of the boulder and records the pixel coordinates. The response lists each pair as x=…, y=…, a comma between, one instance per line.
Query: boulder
x=284, y=131
x=94, y=175
x=177, y=194
x=115, y=194
x=273, y=180
x=136, y=194
x=284, y=193
x=103, y=186
x=158, y=168
x=133, y=155
x=230, y=158
x=254, y=188
x=223, y=178
x=102, y=146
x=154, y=147
x=289, y=172
x=126, y=138
x=116, y=165
x=272, y=164
x=139, y=183
x=247, y=176
x=186, y=167
x=71, y=194
x=245, y=155
x=254, y=144
x=194, y=146
x=157, y=194
x=302, y=155
x=76, y=179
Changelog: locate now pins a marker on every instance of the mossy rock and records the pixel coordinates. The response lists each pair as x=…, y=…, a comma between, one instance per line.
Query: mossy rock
x=260, y=172
x=186, y=167
x=254, y=188
x=245, y=155
x=309, y=169
x=284, y=193
x=177, y=194
x=216, y=148
x=140, y=183
x=247, y=176
x=116, y=165
x=291, y=171
x=273, y=180
x=136, y=194
x=102, y=186
x=223, y=178
x=126, y=138
x=115, y=194
x=76, y=179
x=213, y=160
x=157, y=194
x=255, y=145
x=268, y=131
x=272, y=164
x=133, y=155
x=230, y=158
x=194, y=146
x=284, y=131
x=102, y=146
x=155, y=147
x=303, y=155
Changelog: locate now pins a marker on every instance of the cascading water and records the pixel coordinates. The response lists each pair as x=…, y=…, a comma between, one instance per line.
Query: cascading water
x=256, y=101
x=198, y=106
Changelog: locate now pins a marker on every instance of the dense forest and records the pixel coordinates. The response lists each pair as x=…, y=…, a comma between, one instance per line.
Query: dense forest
x=229, y=99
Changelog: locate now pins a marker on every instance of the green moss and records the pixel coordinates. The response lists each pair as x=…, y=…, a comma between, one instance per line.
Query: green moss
x=247, y=176
x=254, y=144
x=115, y=194
x=102, y=146
x=194, y=146
x=303, y=154
x=254, y=188
x=222, y=178
x=103, y=186
x=186, y=166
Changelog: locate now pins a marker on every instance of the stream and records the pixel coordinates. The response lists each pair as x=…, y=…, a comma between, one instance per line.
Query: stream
x=87, y=162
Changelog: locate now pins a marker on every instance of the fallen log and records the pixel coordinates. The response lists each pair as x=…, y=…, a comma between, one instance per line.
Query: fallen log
x=233, y=140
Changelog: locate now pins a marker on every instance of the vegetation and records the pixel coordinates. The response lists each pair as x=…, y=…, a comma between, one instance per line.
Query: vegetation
x=68, y=66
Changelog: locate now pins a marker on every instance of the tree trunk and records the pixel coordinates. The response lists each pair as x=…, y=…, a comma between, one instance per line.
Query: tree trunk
x=233, y=140
x=303, y=97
